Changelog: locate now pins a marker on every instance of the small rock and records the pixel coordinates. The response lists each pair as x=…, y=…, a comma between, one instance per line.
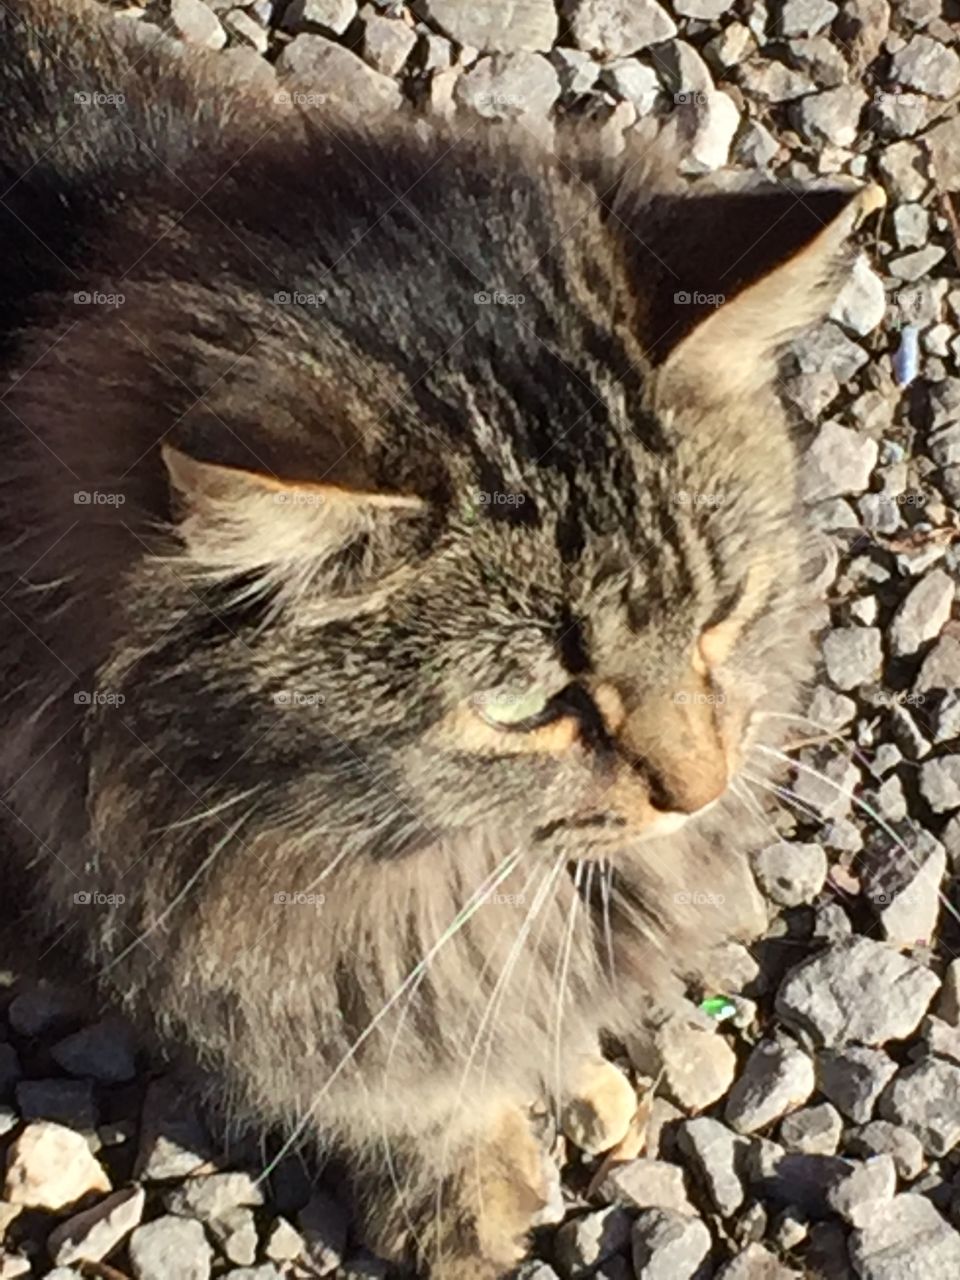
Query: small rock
x=925, y=1099
x=903, y=167
x=195, y=23
x=756, y=146
x=697, y=1063
x=854, y=1197
x=173, y=1140
x=941, y=1038
x=323, y=1225
x=511, y=26
x=240, y=24
x=169, y=1247
x=911, y=266
x=507, y=86
x=862, y=303
x=941, y=667
x=235, y=1231
x=831, y=116
x=911, y=225
x=820, y=59
x=731, y=45
x=333, y=15
x=940, y=784
x=714, y=1152
x=860, y=990
x=708, y=10
x=102, y=1051
x=213, y=1195
x=43, y=1008
x=285, y=1243
x=716, y=121
x=853, y=655
x=95, y=1233
x=66, y=1102
x=617, y=28
x=777, y=1078
x=583, y=1243
x=790, y=874
x=387, y=43
x=647, y=1184
x=319, y=66
x=923, y=613
x=928, y=66
x=947, y=1006
x=806, y=17
x=812, y=1130
x=633, y=82
x=910, y=914
x=577, y=71
x=880, y=1137
x=668, y=1246
x=772, y=81
x=50, y=1167
x=681, y=69
x=756, y=1263
x=905, y=1237
x=839, y=461
x=853, y=1078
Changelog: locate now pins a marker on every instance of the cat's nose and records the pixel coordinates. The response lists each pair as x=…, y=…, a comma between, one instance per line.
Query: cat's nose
x=686, y=785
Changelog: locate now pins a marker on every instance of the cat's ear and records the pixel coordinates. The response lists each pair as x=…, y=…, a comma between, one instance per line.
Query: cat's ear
x=730, y=276
x=234, y=520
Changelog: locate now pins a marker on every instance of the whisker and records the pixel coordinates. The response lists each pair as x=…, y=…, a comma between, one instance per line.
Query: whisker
x=566, y=952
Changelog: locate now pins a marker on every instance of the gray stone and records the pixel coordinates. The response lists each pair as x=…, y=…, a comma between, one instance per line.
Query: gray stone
x=859, y=990
x=195, y=23
x=772, y=81
x=911, y=266
x=583, y=1243
x=945, y=446
x=577, y=71
x=632, y=81
x=826, y=783
x=696, y=1062
x=911, y=225
x=668, y=1246
x=169, y=1247
x=928, y=66
x=10, y=1071
x=905, y=1237
x=941, y=1038
x=235, y=1231
x=925, y=1098
x=839, y=461
x=93, y=1234
x=709, y=10
x=51, y=1167
x=647, y=1184
x=43, y=1008
x=239, y=23
x=881, y=1137
x=67, y=1102
x=940, y=783
x=806, y=17
x=812, y=1130
x=285, y=1243
x=853, y=655
x=714, y=1153
x=716, y=119
x=922, y=615
x=327, y=72
x=507, y=86
x=879, y=513
x=731, y=46
x=756, y=146
x=853, y=1078
x=756, y=1263
x=617, y=28
x=820, y=59
x=510, y=26
x=333, y=15
x=947, y=1004
x=103, y=1051
x=323, y=1225
x=862, y=303
x=854, y=1195
x=946, y=727
x=387, y=43
x=831, y=710
x=903, y=169
x=173, y=1141
x=681, y=69
x=777, y=1078
x=830, y=117
x=790, y=874
x=943, y=141
x=792, y=1178
x=212, y=1196
x=267, y=1272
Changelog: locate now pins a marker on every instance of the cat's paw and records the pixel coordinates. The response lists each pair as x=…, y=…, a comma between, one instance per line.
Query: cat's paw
x=599, y=1108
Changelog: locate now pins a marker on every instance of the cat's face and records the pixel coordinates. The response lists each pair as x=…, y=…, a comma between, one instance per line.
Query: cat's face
x=571, y=640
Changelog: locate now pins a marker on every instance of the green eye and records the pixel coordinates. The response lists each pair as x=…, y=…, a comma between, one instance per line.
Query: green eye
x=519, y=712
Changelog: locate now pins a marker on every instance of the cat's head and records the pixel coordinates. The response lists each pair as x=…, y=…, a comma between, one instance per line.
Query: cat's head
x=550, y=586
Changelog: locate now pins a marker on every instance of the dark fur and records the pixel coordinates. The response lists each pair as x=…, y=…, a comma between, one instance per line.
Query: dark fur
x=198, y=798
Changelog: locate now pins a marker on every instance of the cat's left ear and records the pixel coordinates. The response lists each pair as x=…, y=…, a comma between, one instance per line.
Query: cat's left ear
x=732, y=347
x=233, y=520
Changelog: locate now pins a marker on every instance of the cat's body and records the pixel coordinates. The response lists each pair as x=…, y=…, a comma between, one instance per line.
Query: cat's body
x=282, y=823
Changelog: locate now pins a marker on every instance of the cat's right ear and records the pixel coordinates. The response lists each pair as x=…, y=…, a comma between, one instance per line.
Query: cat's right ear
x=238, y=521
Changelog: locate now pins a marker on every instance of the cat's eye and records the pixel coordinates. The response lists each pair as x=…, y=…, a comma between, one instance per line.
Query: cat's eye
x=517, y=711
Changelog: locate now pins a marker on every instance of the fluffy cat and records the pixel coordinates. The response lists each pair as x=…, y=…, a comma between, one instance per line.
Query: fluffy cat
x=400, y=557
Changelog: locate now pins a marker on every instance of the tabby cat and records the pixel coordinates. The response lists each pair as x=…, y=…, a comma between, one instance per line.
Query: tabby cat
x=400, y=557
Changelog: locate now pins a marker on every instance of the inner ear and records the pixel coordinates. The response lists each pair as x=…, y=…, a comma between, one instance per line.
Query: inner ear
x=690, y=255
